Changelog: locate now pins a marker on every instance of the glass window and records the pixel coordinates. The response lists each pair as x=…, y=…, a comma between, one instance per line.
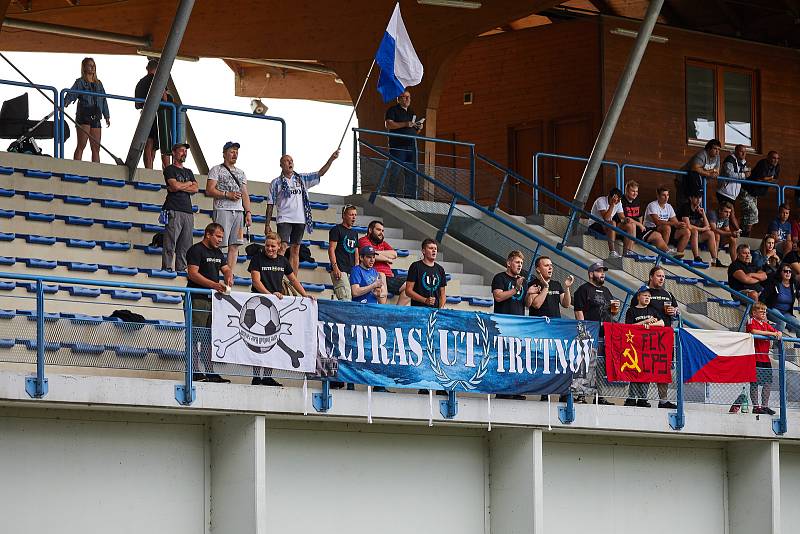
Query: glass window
x=700, y=113
x=738, y=108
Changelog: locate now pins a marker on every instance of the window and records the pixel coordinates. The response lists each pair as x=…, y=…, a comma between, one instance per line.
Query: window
x=720, y=103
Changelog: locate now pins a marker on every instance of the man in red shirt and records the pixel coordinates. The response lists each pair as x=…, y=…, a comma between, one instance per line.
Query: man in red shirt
x=384, y=257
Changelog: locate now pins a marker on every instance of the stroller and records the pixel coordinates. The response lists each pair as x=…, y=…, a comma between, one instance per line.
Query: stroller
x=14, y=124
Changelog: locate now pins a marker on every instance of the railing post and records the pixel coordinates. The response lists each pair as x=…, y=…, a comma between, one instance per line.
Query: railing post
x=472, y=173
x=677, y=420
x=566, y=414
x=500, y=193
x=355, y=163
x=323, y=401
x=745, y=315
x=567, y=233
x=180, y=132
x=780, y=195
x=185, y=393
x=36, y=386
x=536, y=184
x=532, y=268
x=779, y=425
x=443, y=230
x=377, y=191
x=449, y=408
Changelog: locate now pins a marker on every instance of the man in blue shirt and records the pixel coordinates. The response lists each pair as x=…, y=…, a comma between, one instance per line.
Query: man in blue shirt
x=365, y=280
x=781, y=230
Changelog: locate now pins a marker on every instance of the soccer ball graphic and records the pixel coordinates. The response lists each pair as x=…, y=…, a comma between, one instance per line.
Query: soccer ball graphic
x=259, y=317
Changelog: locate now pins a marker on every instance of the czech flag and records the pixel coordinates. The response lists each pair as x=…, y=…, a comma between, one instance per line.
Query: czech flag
x=717, y=356
x=400, y=66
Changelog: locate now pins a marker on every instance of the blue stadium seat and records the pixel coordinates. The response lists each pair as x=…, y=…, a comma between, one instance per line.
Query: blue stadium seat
x=400, y=272
x=313, y=288
x=7, y=286
x=82, y=267
x=7, y=214
x=154, y=208
x=48, y=317
x=4, y=260
x=35, y=263
x=7, y=193
x=81, y=201
x=241, y=281
x=162, y=324
x=255, y=238
x=170, y=354
x=308, y=265
x=154, y=228
x=114, y=245
x=40, y=240
x=158, y=273
x=318, y=205
x=30, y=344
x=47, y=289
x=128, y=352
x=7, y=170
x=257, y=199
x=7, y=237
x=145, y=186
x=198, y=232
x=454, y=300
x=323, y=225
x=77, y=291
x=6, y=343
x=480, y=302
x=75, y=178
x=110, y=182
x=44, y=197
x=7, y=314
x=402, y=253
x=164, y=298
x=78, y=221
x=80, y=318
x=259, y=218
x=33, y=173
x=80, y=243
x=86, y=348
x=115, y=204
x=117, y=225
x=360, y=229
x=43, y=217
x=118, y=269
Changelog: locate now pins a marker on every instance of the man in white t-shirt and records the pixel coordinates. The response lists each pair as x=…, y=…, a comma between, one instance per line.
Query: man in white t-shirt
x=227, y=185
x=610, y=210
x=660, y=216
x=289, y=192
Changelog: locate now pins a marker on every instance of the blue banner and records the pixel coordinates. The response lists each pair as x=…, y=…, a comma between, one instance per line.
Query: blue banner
x=425, y=348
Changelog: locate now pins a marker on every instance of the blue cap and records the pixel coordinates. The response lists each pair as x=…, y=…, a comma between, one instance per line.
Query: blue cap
x=230, y=144
x=367, y=250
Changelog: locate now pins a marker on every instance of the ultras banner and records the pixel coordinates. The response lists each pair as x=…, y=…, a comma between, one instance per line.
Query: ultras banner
x=416, y=347
x=264, y=331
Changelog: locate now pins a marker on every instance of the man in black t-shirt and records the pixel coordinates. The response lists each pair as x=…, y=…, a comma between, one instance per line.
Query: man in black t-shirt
x=267, y=269
x=508, y=287
x=546, y=296
x=400, y=119
x=205, y=262
x=181, y=185
x=743, y=276
x=426, y=281
x=142, y=88
x=663, y=302
x=643, y=313
x=343, y=252
x=693, y=214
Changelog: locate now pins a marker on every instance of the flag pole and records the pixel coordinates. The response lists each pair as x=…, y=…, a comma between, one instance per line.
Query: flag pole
x=360, y=94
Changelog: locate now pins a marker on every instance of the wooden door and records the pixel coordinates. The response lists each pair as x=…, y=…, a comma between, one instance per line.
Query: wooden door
x=525, y=140
x=573, y=136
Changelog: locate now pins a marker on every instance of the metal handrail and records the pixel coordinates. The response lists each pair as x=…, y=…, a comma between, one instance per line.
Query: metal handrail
x=470, y=146
x=184, y=107
x=539, y=155
x=56, y=129
x=61, y=105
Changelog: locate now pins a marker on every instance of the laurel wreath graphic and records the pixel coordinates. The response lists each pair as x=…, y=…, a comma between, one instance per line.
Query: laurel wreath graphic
x=441, y=374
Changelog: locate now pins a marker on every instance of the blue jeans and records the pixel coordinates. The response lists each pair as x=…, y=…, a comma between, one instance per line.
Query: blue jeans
x=406, y=155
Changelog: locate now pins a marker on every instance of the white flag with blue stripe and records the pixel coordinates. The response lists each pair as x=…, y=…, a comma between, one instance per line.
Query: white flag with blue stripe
x=400, y=66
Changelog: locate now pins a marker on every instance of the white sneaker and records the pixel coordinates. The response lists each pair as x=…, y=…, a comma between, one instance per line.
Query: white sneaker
x=614, y=254
x=672, y=250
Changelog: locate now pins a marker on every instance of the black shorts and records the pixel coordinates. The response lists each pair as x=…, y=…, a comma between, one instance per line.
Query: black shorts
x=642, y=235
x=87, y=117
x=291, y=233
x=598, y=228
x=394, y=283
x=154, y=134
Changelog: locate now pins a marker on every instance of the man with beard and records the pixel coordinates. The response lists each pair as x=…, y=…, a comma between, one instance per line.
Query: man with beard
x=384, y=257
x=545, y=295
x=593, y=303
x=181, y=184
x=663, y=302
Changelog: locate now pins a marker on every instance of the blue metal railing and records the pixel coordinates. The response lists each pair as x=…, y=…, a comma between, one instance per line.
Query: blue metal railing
x=186, y=107
x=62, y=96
x=541, y=155
x=57, y=132
x=415, y=138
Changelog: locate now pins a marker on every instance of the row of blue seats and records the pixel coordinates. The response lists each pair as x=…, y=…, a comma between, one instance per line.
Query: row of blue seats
x=94, y=350
x=106, y=182
x=126, y=225
x=93, y=292
x=83, y=319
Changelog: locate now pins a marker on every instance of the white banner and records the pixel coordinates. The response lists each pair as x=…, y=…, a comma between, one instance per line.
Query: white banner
x=262, y=330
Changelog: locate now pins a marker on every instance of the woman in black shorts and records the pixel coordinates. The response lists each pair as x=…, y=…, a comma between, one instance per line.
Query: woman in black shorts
x=91, y=108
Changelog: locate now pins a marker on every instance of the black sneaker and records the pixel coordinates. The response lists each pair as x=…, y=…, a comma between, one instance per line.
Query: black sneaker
x=509, y=397
x=256, y=381
x=380, y=389
x=351, y=387
x=630, y=402
x=423, y=391
x=214, y=377
x=269, y=381
x=198, y=377
x=642, y=403
x=562, y=398
x=718, y=263
x=667, y=404
x=544, y=398
x=758, y=410
x=698, y=259
x=603, y=402
x=336, y=385
x=767, y=410
x=441, y=393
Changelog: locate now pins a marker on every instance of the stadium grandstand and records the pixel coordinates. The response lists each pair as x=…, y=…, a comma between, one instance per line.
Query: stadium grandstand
x=565, y=283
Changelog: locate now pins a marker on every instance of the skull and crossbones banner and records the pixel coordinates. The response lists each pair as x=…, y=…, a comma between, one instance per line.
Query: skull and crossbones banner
x=262, y=330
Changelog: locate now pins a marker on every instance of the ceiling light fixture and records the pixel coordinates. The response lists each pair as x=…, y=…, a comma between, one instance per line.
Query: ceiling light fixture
x=634, y=34
x=465, y=4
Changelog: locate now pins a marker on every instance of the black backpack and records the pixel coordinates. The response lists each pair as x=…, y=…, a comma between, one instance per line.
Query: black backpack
x=158, y=240
x=128, y=316
x=305, y=254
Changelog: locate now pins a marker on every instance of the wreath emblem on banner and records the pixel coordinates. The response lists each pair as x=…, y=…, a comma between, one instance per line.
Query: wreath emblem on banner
x=436, y=365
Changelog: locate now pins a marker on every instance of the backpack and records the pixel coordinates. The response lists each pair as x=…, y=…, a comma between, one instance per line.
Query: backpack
x=253, y=249
x=128, y=316
x=158, y=240
x=305, y=254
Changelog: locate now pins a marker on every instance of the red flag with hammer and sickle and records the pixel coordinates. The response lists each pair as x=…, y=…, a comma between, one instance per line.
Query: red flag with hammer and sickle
x=635, y=353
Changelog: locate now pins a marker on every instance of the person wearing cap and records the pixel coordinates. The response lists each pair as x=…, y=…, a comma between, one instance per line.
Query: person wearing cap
x=366, y=283
x=227, y=185
x=643, y=313
x=181, y=185
x=593, y=303
x=289, y=193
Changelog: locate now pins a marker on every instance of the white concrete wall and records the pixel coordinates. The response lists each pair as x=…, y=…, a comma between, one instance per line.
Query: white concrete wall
x=515, y=481
x=753, y=487
x=86, y=473
x=790, y=489
x=627, y=486
x=364, y=480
